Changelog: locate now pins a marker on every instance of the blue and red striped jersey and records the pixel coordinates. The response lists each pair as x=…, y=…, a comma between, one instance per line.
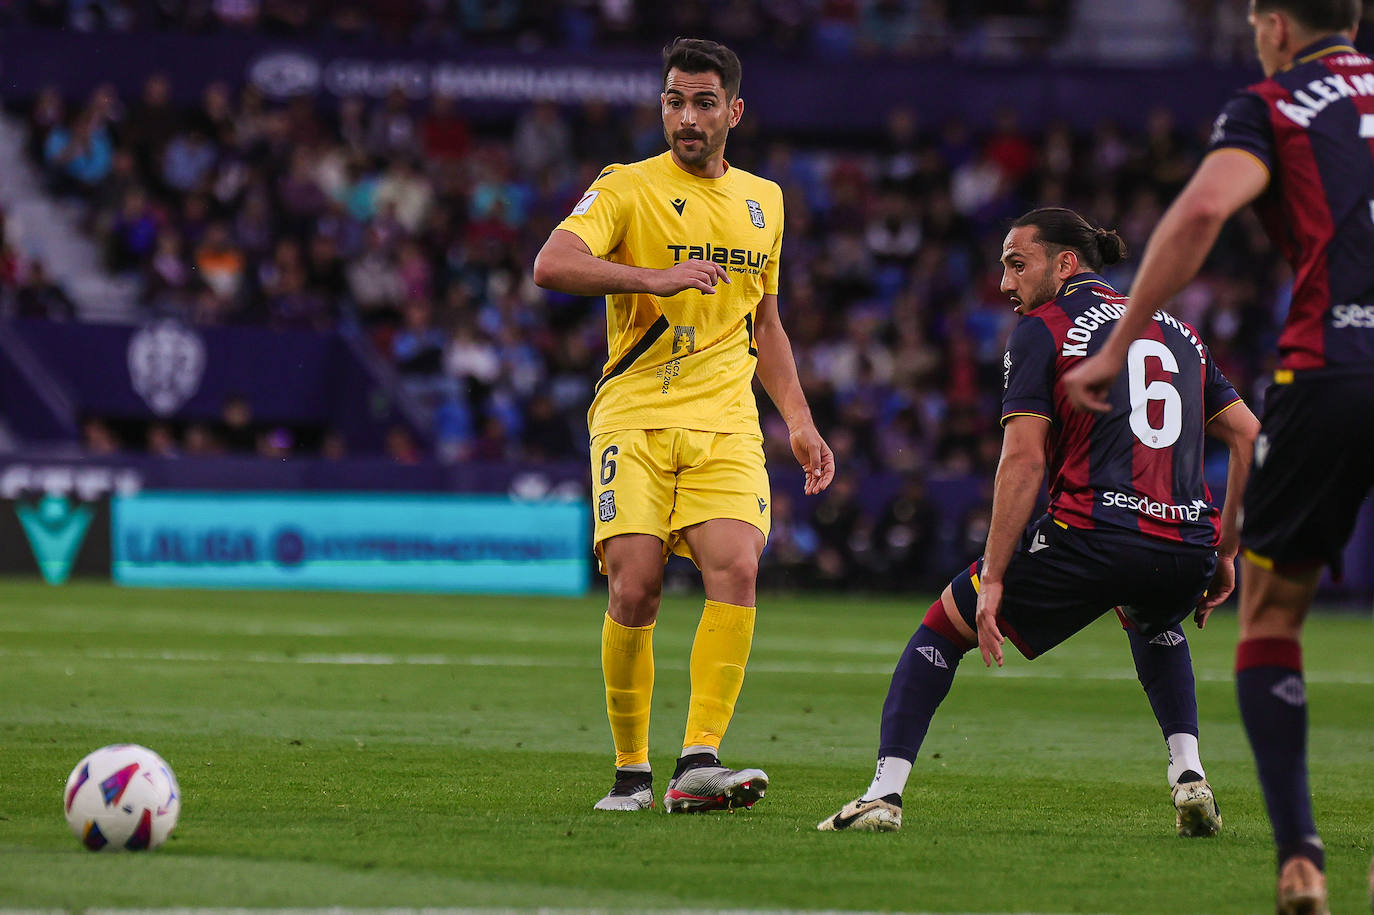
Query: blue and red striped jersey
x=1311, y=125
x=1137, y=468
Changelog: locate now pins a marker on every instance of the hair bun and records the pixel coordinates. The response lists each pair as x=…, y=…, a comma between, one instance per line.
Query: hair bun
x=1110, y=246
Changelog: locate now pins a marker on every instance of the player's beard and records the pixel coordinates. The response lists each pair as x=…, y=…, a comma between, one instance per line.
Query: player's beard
x=1043, y=293
x=707, y=146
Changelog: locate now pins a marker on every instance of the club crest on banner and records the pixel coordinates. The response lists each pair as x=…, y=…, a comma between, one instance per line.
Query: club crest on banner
x=166, y=365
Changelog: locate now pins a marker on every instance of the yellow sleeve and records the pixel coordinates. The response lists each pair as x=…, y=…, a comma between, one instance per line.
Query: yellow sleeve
x=600, y=217
x=774, y=265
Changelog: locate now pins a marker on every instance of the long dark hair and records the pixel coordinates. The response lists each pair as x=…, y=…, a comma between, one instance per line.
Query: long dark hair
x=1057, y=227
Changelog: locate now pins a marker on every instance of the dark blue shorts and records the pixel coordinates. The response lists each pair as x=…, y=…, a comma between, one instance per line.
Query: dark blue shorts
x=1314, y=464
x=1061, y=579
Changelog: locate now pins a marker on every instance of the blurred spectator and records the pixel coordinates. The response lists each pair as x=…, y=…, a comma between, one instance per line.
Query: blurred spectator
x=152, y=123
x=406, y=190
x=445, y=134
x=418, y=347
x=133, y=233
x=790, y=560
x=161, y=442
x=79, y=157
x=542, y=141
x=392, y=130
x=548, y=435
x=47, y=113
x=219, y=262
x=401, y=447
x=187, y=160
x=200, y=441
x=236, y=431
x=275, y=443
x=98, y=439
x=39, y=297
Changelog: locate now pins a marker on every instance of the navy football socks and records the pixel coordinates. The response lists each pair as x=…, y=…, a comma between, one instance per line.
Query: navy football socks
x=924, y=674
x=1273, y=706
x=1165, y=668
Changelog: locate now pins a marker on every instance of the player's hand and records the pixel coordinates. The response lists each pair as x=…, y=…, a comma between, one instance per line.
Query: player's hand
x=690, y=274
x=989, y=636
x=815, y=457
x=1223, y=583
x=1088, y=383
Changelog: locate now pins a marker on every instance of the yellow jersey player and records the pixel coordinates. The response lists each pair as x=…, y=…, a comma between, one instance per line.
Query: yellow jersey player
x=686, y=250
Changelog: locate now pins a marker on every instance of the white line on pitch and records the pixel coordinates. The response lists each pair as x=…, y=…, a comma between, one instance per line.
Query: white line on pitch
x=360, y=659
x=505, y=911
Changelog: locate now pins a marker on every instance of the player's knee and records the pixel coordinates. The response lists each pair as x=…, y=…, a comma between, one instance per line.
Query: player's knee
x=1271, y=621
x=633, y=601
x=735, y=574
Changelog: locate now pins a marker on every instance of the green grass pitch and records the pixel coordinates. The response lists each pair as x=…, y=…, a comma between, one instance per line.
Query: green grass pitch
x=373, y=751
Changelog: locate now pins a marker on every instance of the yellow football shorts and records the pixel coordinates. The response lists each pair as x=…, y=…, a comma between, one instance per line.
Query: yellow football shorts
x=662, y=481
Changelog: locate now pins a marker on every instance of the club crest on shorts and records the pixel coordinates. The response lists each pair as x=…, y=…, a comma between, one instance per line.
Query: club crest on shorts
x=755, y=213
x=605, y=505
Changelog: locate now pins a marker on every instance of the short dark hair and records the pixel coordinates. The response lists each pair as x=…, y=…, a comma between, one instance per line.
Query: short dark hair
x=700, y=55
x=1317, y=15
x=1061, y=228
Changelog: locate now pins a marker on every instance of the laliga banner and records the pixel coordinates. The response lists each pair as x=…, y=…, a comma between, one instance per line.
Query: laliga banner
x=350, y=542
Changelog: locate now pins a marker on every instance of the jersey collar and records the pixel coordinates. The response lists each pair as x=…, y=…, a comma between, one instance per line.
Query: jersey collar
x=1079, y=280
x=673, y=168
x=1330, y=44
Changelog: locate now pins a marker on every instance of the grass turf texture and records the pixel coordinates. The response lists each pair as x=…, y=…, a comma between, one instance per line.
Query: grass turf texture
x=437, y=751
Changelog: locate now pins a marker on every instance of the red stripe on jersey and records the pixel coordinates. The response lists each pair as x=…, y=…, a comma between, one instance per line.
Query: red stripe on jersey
x=1202, y=399
x=1152, y=469
x=1069, y=446
x=1302, y=345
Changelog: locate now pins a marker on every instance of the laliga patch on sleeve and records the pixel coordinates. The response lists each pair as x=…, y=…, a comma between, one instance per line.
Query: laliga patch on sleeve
x=585, y=203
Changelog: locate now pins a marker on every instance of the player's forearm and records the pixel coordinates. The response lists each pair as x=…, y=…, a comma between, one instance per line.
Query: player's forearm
x=777, y=371
x=1237, y=472
x=1238, y=428
x=578, y=273
x=1013, y=499
x=1174, y=255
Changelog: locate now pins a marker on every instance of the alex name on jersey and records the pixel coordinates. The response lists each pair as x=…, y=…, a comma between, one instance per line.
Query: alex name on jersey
x=1311, y=126
x=1138, y=467
x=687, y=360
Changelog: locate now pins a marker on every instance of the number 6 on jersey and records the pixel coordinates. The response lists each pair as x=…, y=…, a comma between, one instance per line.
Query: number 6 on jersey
x=1143, y=393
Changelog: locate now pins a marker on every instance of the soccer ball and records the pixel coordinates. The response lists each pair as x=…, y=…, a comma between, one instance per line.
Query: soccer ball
x=122, y=797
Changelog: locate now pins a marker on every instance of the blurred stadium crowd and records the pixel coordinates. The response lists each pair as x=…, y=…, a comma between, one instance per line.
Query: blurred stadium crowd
x=805, y=26
x=1006, y=29
x=417, y=228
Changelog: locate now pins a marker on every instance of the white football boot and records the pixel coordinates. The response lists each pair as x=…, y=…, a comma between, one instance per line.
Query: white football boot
x=714, y=787
x=1198, y=813
x=881, y=815
x=632, y=790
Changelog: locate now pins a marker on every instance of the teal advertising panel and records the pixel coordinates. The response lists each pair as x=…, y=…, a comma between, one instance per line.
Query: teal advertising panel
x=488, y=544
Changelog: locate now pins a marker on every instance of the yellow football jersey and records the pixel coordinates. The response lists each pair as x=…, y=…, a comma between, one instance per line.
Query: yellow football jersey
x=685, y=361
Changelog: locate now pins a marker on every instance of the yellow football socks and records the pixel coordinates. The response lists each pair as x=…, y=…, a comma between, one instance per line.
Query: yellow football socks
x=627, y=663
x=719, y=653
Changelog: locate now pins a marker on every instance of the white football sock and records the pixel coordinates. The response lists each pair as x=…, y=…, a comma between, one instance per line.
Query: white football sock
x=635, y=767
x=1183, y=755
x=701, y=748
x=889, y=778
